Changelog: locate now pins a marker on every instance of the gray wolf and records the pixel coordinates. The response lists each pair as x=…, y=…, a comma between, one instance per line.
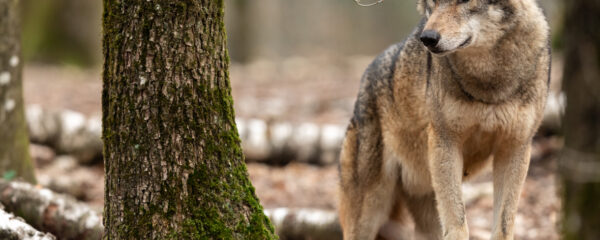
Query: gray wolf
x=466, y=89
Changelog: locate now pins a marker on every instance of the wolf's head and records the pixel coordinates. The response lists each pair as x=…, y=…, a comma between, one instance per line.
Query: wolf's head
x=457, y=24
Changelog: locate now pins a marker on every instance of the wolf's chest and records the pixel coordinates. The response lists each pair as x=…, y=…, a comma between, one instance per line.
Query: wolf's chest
x=509, y=118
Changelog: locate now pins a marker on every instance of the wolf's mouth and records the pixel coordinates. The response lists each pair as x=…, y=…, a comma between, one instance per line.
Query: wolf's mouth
x=436, y=50
x=464, y=44
x=439, y=51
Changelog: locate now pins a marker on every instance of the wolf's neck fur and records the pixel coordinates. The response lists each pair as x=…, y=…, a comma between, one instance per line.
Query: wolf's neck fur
x=505, y=68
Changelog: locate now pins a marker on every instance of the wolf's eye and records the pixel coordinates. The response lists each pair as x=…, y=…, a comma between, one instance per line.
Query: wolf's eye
x=463, y=1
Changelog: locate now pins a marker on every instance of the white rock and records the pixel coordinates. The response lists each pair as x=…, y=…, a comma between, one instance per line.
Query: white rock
x=332, y=136
x=72, y=121
x=9, y=105
x=4, y=78
x=256, y=144
x=14, y=61
x=280, y=134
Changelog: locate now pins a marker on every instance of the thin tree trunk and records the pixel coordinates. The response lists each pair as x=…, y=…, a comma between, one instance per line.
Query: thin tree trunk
x=581, y=157
x=173, y=162
x=14, y=143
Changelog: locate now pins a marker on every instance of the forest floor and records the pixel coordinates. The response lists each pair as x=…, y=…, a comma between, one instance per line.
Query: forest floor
x=295, y=90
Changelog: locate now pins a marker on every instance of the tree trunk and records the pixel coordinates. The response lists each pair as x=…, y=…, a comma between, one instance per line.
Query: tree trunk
x=581, y=157
x=14, y=143
x=173, y=162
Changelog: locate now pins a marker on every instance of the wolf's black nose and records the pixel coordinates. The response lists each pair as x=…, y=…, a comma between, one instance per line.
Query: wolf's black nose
x=430, y=38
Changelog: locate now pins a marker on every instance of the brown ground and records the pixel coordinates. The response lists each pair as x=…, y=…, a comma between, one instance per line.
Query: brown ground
x=299, y=90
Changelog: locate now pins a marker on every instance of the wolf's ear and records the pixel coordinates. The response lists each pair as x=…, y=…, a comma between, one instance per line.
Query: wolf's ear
x=421, y=6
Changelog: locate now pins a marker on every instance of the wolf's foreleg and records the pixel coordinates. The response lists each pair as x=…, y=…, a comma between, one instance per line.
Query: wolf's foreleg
x=510, y=169
x=445, y=163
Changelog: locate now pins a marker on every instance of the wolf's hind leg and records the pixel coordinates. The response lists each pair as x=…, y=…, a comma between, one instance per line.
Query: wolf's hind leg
x=397, y=227
x=366, y=188
x=364, y=210
x=425, y=216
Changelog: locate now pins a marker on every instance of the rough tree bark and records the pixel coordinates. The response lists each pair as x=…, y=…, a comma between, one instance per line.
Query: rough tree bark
x=581, y=156
x=173, y=162
x=14, y=143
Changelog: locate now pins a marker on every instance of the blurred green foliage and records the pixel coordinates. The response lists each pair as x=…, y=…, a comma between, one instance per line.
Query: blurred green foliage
x=9, y=175
x=61, y=31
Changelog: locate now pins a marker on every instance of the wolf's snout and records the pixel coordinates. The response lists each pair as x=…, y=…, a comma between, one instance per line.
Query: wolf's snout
x=430, y=38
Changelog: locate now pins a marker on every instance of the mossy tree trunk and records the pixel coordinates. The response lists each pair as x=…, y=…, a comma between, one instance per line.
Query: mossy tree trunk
x=173, y=163
x=15, y=161
x=581, y=157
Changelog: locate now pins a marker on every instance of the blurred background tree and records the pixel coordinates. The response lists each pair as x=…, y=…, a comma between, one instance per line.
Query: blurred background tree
x=581, y=122
x=14, y=142
x=62, y=31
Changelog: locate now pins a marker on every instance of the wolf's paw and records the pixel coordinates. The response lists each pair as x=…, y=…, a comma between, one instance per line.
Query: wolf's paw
x=461, y=233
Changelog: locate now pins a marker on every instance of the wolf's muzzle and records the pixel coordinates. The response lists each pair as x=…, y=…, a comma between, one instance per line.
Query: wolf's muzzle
x=430, y=38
